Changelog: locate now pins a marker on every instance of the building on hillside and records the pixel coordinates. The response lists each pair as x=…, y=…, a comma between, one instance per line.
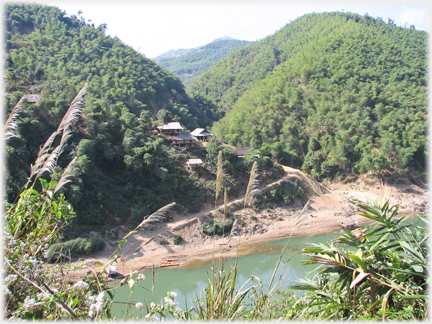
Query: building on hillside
x=201, y=134
x=195, y=164
x=242, y=151
x=172, y=128
x=32, y=98
x=184, y=139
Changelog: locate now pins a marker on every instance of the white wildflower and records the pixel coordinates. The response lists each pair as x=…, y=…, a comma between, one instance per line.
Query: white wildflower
x=173, y=294
x=91, y=313
x=141, y=277
x=139, y=305
x=152, y=305
x=99, y=306
x=42, y=295
x=81, y=285
x=12, y=242
x=91, y=298
x=100, y=297
x=29, y=302
x=10, y=278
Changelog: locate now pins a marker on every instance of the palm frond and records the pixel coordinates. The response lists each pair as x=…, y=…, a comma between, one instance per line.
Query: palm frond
x=67, y=173
x=158, y=216
x=225, y=205
x=219, y=175
x=10, y=125
x=75, y=109
x=48, y=162
x=43, y=154
x=253, y=183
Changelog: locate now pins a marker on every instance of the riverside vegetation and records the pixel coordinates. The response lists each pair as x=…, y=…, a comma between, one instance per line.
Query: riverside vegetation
x=380, y=272
x=114, y=160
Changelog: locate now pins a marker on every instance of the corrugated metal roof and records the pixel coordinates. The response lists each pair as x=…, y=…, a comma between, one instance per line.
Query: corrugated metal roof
x=242, y=150
x=201, y=132
x=173, y=125
x=183, y=136
x=32, y=97
x=194, y=161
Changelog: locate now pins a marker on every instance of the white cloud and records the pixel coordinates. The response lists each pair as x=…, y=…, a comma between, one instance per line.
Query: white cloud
x=413, y=16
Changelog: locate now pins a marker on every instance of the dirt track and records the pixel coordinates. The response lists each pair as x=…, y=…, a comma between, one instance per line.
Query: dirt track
x=323, y=210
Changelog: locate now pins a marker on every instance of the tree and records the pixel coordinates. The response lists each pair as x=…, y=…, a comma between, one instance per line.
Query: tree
x=164, y=116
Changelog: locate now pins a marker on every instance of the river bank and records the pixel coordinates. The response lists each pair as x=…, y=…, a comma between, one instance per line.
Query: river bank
x=322, y=210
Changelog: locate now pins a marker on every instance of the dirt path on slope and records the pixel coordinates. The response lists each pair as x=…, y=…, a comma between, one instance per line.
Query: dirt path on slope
x=323, y=209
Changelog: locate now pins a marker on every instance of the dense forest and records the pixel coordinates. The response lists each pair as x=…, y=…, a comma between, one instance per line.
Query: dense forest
x=121, y=172
x=332, y=93
x=190, y=66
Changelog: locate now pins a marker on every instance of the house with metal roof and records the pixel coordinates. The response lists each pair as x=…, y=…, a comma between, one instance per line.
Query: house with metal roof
x=172, y=128
x=194, y=164
x=32, y=98
x=184, y=139
x=242, y=151
x=201, y=134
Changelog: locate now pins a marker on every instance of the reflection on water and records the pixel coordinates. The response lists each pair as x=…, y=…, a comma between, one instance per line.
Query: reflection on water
x=190, y=280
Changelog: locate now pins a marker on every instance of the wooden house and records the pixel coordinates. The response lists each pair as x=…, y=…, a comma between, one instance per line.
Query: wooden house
x=173, y=128
x=201, y=134
x=184, y=139
x=32, y=98
x=242, y=151
x=195, y=164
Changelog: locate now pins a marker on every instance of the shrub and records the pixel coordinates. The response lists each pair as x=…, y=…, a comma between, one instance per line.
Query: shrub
x=285, y=192
x=74, y=248
x=217, y=228
x=177, y=239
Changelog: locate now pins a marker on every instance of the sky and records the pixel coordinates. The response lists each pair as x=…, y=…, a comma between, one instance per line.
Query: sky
x=154, y=27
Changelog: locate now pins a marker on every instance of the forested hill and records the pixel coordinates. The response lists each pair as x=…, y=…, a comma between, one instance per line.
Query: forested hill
x=348, y=95
x=189, y=66
x=53, y=55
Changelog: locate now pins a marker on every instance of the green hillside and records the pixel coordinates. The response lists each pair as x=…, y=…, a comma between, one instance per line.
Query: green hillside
x=189, y=66
x=122, y=171
x=349, y=95
x=174, y=53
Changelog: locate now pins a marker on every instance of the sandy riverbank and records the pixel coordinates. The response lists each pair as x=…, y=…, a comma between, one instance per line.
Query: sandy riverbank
x=322, y=210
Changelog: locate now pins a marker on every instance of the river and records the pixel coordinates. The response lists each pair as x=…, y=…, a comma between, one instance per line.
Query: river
x=190, y=280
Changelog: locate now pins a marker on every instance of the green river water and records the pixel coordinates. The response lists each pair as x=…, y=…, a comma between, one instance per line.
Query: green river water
x=190, y=280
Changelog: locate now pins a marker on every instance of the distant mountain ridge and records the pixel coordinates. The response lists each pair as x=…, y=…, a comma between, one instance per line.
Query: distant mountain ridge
x=188, y=67
x=183, y=51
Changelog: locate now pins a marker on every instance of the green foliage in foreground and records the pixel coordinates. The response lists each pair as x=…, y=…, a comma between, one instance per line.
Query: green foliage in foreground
x=371, y=274
x=218, y=228
x=74, y=248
